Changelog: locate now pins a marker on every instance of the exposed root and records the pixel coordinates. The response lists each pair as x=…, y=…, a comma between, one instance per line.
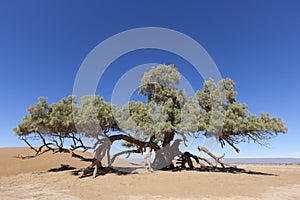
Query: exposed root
x=186, y=158
x=96, y=163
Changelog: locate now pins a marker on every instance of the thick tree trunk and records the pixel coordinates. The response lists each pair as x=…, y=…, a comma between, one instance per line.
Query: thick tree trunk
x=169, y=136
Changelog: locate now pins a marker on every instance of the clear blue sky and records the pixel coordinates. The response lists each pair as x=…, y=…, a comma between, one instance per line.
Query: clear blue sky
x=256, y=43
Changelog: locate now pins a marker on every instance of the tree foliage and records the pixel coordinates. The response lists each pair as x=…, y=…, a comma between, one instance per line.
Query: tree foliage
x=166, y=113
x=238, y=124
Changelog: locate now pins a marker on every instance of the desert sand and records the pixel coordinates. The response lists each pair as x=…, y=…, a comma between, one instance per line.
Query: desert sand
x=42, y=178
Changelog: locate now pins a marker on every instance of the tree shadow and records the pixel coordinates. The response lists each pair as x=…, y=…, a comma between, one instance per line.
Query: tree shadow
x=133, y=170
x=104, y=171
x=23, y=157
x=62, y=167
x=231, y=170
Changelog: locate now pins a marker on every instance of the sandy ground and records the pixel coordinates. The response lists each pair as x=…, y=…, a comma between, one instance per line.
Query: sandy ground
x=31, y=179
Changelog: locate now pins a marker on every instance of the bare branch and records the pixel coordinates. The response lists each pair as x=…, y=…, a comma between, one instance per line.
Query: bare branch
x=216, y=158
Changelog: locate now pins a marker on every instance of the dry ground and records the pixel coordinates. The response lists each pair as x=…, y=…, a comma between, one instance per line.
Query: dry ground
x=30, y=179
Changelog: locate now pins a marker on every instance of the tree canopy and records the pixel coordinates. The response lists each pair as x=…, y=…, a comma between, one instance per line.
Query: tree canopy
x=166, y=113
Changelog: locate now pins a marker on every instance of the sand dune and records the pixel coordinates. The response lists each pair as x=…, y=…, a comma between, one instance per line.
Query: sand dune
x=10, y=164
x=30, y=179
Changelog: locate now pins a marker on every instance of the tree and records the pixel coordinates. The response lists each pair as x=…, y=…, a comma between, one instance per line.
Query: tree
x=239, y=124
x=167, y=115
x=52, y=125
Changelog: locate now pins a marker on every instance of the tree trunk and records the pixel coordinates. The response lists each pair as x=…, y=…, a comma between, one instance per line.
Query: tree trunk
x=169, y=136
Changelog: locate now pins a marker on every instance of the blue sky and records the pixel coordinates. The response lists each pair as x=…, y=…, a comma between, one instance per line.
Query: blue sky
x=256, y=43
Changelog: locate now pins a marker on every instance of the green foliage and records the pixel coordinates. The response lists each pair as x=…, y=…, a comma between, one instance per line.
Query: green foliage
x=233, y=122
x=36, y=120
x=42, y=118
x=213, y=111
x=60, y=116
x=94, y=116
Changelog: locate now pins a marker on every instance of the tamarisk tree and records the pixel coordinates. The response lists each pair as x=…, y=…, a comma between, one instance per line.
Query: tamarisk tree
x=166, y=118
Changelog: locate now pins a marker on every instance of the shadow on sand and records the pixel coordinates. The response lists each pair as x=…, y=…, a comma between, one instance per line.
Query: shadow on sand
x=62, y=167
x=139, y=169
x=231, y=170
x=102, y=172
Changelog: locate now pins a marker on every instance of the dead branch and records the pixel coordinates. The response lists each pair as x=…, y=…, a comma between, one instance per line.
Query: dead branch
x=216, y=158
x=205, y=160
